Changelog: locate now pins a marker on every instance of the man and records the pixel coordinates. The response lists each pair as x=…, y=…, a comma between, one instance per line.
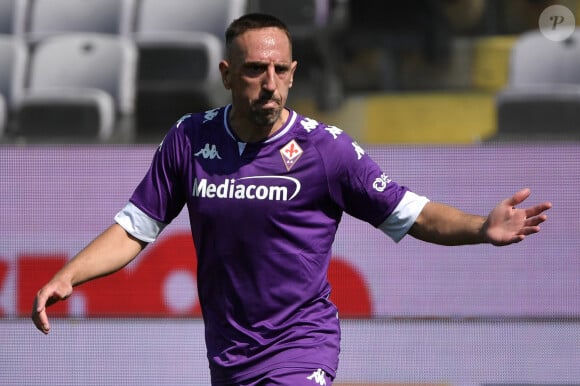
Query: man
x=265, y=190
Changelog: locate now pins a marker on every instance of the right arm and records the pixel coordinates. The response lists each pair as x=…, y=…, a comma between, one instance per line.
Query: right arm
x=160, y=191
x=110, y=251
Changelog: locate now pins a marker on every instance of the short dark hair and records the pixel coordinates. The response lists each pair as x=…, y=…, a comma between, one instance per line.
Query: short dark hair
x=252, y=21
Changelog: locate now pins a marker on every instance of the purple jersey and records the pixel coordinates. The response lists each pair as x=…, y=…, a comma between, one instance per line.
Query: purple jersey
x=263, y=218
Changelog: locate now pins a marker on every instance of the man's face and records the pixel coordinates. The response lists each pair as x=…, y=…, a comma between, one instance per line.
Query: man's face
x=259, y=71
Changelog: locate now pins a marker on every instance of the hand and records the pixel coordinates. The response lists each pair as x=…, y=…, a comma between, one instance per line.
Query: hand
x=507, y=224
x=51, y=293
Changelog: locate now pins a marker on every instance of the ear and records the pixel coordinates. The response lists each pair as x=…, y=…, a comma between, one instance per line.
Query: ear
x=292, y=70
x=225, y=72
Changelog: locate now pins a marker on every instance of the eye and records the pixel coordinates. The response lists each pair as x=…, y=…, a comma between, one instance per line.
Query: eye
x=254, y=69
x=281, y=70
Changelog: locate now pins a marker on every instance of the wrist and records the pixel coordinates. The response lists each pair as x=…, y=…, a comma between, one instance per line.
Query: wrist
x=484, y=231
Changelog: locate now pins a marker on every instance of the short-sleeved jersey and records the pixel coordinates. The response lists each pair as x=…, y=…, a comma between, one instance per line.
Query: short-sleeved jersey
x=263, y=218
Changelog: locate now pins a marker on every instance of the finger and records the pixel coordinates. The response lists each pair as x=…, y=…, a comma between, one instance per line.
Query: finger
x=519, y=197
x=40, y=320
x=39, y=316
x=525, y=231
x=535, y=220
x=537, y=209
x=40, y=301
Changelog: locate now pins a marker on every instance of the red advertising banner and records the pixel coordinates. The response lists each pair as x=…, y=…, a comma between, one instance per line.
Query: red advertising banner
x=161, y=284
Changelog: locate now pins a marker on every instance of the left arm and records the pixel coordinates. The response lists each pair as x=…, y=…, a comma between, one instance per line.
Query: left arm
x=442, y=224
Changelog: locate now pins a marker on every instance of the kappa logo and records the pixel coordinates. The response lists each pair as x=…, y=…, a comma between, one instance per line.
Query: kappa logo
x=209, y=151
x=359, y=150
x=290, y=154
x=318, y=377
x=210, y=115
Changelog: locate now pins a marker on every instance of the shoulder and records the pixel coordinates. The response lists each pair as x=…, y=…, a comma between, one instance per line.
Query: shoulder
x=199, y=121
x=187, y=132
x=331, y=141
x=191, y=125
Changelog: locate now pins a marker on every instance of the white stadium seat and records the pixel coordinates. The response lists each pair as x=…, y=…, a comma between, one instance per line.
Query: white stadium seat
x=12, y=16
x=13, y=62
x=50, y=17
x=542, y=97
x=81, y=85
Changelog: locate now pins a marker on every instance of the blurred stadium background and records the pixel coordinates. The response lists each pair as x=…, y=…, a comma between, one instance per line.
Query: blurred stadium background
x=463, y=100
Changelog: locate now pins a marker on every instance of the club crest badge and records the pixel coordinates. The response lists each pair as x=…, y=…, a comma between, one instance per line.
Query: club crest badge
x=291, y=152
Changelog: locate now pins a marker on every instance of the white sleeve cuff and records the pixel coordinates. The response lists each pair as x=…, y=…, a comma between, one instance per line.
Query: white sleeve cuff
x=403, y=217
x=138, y=223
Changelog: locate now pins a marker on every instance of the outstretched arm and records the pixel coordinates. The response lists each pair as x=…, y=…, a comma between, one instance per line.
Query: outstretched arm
x=505, y=224
x=109, y=252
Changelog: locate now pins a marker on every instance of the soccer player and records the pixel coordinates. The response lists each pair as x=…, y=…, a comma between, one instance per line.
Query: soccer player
x=265, y=189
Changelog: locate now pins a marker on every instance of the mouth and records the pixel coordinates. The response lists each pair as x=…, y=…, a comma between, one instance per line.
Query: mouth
x=268, y=103
x=268, y=99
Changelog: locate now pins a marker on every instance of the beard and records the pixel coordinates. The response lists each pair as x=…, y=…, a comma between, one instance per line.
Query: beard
x=264, y=117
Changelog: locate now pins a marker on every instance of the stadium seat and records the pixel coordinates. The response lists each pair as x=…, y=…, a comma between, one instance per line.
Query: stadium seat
x=171, y=16
x=542, y=97
x=180, y=43
x=13, y=62
x=49, y=17
x=12, y=16
x=80, y=86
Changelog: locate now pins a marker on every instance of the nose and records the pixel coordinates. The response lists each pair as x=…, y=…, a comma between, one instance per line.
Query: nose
x=269, y=81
